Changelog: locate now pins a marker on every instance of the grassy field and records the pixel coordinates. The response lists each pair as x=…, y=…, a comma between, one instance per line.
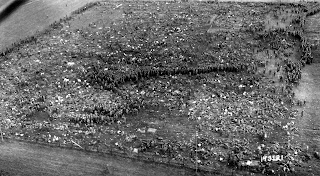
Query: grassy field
x=36, y=16
x=3, y=2
x=35, y=160
x=207, y=85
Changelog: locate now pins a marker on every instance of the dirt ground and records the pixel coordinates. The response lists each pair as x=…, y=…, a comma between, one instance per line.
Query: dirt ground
x=38, y=160
x=308, y=90
x=308, y=123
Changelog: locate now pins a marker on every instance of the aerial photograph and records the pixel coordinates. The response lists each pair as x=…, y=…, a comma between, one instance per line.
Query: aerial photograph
x=159, y=88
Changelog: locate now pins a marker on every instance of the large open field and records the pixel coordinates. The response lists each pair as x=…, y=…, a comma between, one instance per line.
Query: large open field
x=203, y=86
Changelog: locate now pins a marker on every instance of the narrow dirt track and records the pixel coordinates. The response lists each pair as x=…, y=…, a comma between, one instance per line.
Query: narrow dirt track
x=18, y=158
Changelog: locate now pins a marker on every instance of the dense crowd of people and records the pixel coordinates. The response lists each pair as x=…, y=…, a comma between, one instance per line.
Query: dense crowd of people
x=173, y=46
